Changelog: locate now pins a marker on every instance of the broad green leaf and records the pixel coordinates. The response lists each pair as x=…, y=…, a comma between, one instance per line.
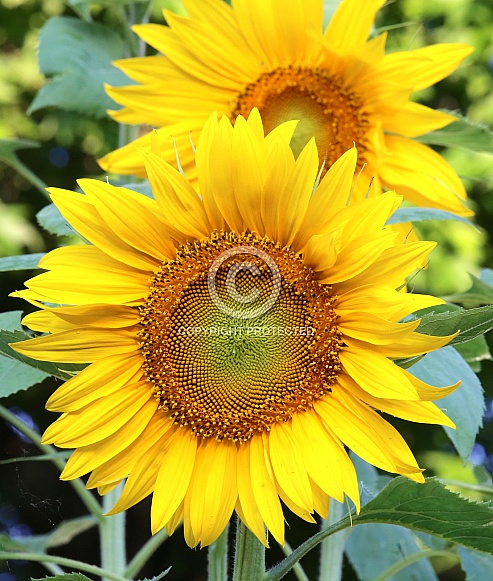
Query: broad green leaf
x=20, y=262
x=477, y=566
x=61, y=535
x=402, y=215
x=8, y=148
x=432, y=509
x=64, y=577
x=80, y=70
x=373, y=548
x=480, y=293
x=465, y=406
x=53, y=222
x=486, y=276
x=472, y=323
x=14, y=374
x=461, y=134
x=28, y=371
x=474, y=352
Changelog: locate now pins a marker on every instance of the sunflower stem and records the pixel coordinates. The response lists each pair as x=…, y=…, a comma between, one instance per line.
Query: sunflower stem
x=112, y=536
x=332, y=548
x=218, y=558
x=249, y=556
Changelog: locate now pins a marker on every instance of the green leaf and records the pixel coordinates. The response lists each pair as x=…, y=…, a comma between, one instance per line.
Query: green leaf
x=20, y=372
x=68, y=530
x=374, y=548
x=480, y=293
x=79, y=70
x=432, y=509
x=65, y=577
x=402, y=215
x=20, y=262
x=14, y=374
x=474, y=352
x=472, y=323
x=53, y=222
x=461, y=134
x=158, y=577
x=8, y=147
x=465, y=406
x=477, y=566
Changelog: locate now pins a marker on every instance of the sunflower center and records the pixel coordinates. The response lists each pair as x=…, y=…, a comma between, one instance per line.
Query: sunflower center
x=327, y=110
x=237, y=334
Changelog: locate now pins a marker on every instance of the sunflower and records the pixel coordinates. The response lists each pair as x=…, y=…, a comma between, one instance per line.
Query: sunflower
x=273, y=55
x=237, y=341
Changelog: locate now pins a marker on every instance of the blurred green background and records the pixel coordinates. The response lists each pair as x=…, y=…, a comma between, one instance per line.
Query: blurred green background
x=31, y=497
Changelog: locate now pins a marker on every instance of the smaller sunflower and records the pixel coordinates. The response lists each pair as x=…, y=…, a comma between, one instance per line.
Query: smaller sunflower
x=274, y=55
x=237, y=341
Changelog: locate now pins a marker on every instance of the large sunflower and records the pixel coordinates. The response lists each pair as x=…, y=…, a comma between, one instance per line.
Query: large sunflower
x=236, y=341
x=273, y=55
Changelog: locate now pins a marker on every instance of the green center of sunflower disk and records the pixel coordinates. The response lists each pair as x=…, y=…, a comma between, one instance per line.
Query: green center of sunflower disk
x=236, y=335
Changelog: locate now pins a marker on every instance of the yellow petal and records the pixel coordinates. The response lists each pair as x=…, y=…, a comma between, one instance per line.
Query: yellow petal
x=288, y=466
x=174, y=477
x=96, y=381
x=415, y=119
x=423, y=67
x=79, y=345
x=178, y=201
x=99, y=419
x=351, y=24
x=248, y=509
x=377, y=375
x=122, y=464
x=86, y=458
x=264, y=489
x=133, y=217
x=357, y=256
x=413, y=411
x=330, y=197
x=325, y=459
x=213, y=491
x=373, y=329
x=86, y=220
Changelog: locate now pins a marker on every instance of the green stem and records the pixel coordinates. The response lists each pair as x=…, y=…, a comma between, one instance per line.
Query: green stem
x=62, y=561
x=278, y=572
x=217, y=560
x=410, y=559
x=86, y=497
x=332, y=549
x=53, y=568
x=141, y=558
x=112, y=536
x=249, y=556
x=297, y=569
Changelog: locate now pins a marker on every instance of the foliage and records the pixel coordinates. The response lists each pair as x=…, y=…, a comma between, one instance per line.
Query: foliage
x=402, y=526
